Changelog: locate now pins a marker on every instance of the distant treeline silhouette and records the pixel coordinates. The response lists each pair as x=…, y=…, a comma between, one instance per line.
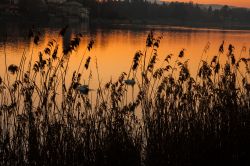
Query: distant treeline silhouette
x=144, y=10
x=174, y=11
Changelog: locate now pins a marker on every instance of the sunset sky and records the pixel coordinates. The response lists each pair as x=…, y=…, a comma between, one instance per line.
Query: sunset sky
x=241, y=3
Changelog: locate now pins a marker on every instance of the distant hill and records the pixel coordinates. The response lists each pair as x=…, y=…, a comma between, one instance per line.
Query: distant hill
x=214, y=6
x=204, y=6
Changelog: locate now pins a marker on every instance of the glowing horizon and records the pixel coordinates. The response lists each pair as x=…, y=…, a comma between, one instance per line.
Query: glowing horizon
x=239, y=3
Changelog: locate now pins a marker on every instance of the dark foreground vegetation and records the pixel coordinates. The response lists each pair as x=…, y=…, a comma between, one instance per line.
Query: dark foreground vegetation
x=172, y=117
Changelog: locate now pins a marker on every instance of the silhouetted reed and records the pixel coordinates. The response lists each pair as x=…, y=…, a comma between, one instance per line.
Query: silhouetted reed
x=173, y=119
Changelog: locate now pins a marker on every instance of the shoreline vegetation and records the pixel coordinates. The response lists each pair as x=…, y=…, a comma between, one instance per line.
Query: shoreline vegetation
x=130, y=23
x=201, y=119
x=142, y=23
x=95, y=23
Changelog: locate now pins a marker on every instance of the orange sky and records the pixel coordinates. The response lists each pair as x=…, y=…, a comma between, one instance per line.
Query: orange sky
x=241, y=3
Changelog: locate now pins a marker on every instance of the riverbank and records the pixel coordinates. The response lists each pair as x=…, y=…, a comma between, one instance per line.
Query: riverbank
x=97, y=22
x=143, y=23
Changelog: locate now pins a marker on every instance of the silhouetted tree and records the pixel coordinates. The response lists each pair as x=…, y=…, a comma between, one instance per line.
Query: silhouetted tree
x=31, y=6
x=178, y=11
x=4, y=2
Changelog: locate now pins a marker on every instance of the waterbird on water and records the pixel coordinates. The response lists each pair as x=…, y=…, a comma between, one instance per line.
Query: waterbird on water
x=84, y=89
x=130, y=82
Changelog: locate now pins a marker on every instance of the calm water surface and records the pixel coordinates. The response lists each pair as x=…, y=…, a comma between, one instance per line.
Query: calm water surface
x=115, y=46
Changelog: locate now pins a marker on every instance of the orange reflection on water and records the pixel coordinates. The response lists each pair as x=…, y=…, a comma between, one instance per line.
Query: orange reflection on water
x=115, y=48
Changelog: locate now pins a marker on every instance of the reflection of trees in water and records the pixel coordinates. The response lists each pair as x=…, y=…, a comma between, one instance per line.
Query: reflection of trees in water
x=102, y=38
x=17, y=32
x=71, y=31
x=14, y=34
x=66, y=38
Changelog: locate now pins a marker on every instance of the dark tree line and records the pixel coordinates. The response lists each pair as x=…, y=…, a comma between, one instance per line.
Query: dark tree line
x=141, y=9
x=31, y=6
x=4, y=2
x=144, y=10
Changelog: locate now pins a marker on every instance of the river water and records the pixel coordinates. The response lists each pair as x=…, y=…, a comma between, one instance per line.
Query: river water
x=116, y=45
